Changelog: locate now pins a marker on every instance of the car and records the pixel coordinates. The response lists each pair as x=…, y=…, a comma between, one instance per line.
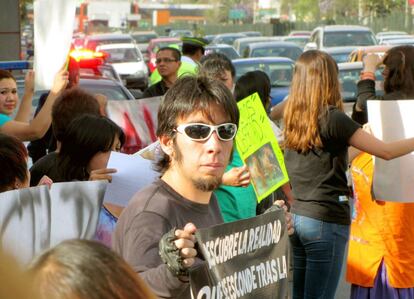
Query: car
x=113, y=90
x=279, y=70
x=92, y=41
x=349, y=76
x=128, y=62
x=408, y=40
x=225, y=49
x=180, y=33
x=142, y=39
x=274, y=49
x=240, y=44
x=386, y=38
x=386, y=33
x=158, y=43
x=209, y=37
x=300, y=33
x=300, y=40
x=340, y=36
x=359, y=53
x=340, y=54
x=251, y=33
x=227, y=38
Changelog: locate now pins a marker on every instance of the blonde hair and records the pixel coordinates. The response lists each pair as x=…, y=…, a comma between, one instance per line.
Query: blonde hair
x=314, y=88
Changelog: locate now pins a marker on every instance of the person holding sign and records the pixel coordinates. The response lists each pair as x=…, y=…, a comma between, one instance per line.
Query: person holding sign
x=380, y=256
x=9, y=98
x=40, y=124
x=317, y=135
x=197, y=122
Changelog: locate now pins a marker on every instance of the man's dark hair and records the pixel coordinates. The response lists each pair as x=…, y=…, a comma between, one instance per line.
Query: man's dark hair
x=175, y=52
x=190, y=49
x=188, y=95
x=214, y=64
x=13, y=157
x=72, y=103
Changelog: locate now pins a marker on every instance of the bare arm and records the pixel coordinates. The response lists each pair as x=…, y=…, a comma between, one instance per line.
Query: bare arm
x=277, y=111
x=41, y=123
x=23, y=114
x=387, y=151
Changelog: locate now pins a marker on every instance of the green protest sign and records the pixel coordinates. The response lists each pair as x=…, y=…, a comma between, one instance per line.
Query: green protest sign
x=259, y=149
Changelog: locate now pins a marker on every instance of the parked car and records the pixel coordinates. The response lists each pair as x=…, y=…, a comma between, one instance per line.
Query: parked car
x=409, y=40
x=92, y=41
x=300, y=33
x=180, y=33
x=225, y=49
x=158, y=43
x=227, y=38
x=113, y=90
x=129, y=64
x=279, y=70
x=209, y=37
x=359, y=53
x=300, y=40
x=251, y=33
x=386, y=33
x=383, y=40
x=340, y=54
x=340, y=36
x=274, y=49
x=240, y=44
x=142, y=39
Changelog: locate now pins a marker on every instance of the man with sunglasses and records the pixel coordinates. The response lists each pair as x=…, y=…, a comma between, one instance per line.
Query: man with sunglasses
x=197, y=122
x=168, y=62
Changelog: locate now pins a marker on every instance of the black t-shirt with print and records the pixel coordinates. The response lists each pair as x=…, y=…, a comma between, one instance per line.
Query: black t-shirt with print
x=318, y=178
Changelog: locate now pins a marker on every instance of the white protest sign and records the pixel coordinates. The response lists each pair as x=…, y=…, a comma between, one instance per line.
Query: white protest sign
x=133, y=173
x=75, y=210
x=35, y=219
x=393, y=121
x=25, y=222
x=54, y=21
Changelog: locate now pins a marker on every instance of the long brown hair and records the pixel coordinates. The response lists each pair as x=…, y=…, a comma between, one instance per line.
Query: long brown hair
x=314, y=88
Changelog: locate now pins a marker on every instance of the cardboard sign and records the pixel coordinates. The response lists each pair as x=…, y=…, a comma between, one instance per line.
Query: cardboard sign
x=392, y=121
x=138, y=119
x=259, y=149
x=244, y=259
x=35, y=219
x=54, y=21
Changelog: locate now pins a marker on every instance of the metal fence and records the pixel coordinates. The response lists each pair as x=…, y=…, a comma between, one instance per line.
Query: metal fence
x=396, y=21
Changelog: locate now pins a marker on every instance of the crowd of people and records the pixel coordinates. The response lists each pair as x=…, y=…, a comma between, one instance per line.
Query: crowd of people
x=146, y=249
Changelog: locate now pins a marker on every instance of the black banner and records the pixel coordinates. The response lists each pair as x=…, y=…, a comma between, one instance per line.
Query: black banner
x=244, y=259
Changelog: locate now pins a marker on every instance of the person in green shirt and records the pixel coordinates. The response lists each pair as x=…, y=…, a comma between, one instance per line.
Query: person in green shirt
x=192, y=51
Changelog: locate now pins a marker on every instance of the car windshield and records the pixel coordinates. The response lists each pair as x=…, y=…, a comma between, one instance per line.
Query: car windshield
x=300, y=41
x=278, y=51
x=279, y=73
x=117, y=55
x=144, y=38
x=348, y=38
